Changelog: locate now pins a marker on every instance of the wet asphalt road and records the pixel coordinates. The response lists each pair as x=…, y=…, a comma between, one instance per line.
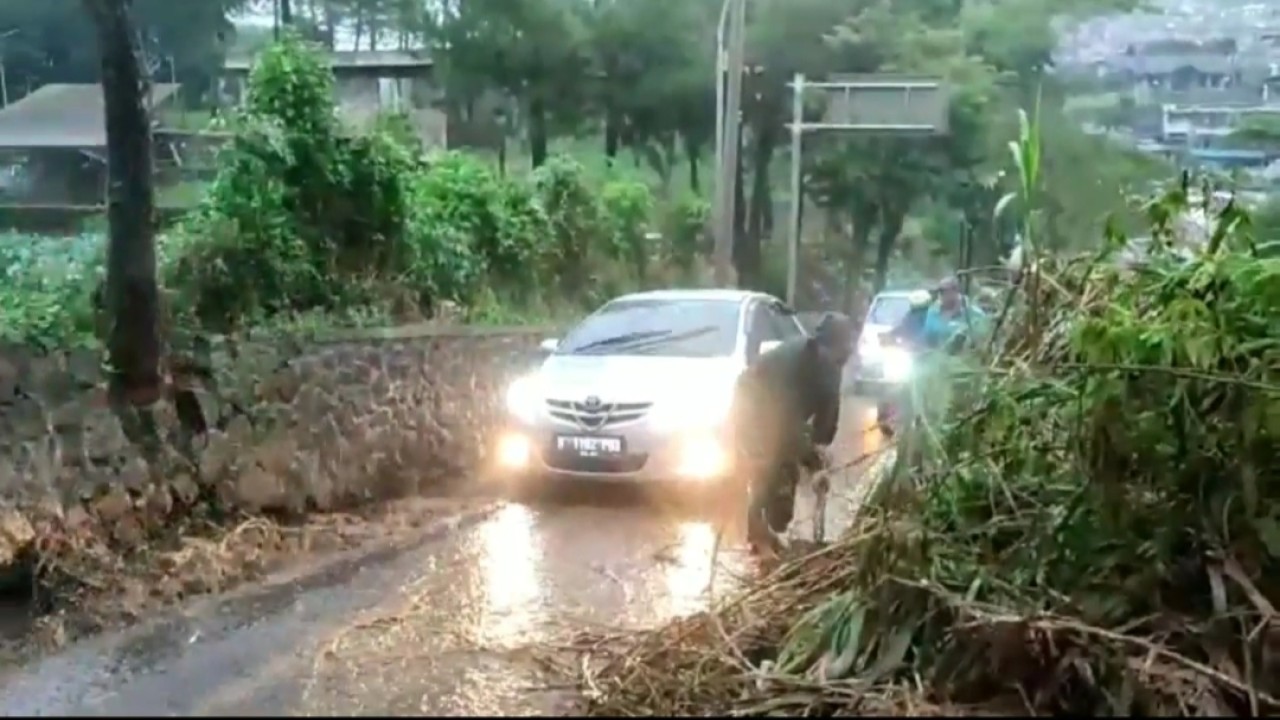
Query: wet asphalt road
x=445, y=626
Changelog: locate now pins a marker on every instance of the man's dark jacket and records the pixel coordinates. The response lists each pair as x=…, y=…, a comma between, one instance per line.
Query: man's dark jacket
x=779, y=394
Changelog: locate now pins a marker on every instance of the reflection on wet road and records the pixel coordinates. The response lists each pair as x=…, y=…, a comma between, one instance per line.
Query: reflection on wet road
x=444, y=628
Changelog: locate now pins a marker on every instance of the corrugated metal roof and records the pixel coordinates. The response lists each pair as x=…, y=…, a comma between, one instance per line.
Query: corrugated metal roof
x=63, y=116
x=1201, y=62
x=1227, y=154
x=353, y=60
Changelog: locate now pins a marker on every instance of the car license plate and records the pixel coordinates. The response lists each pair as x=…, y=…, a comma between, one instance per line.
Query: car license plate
x=589, y=446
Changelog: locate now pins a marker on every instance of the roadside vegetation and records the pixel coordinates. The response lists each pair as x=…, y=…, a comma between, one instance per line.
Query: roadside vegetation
x=305, y=222
x=1084, y=521
x=613, y=96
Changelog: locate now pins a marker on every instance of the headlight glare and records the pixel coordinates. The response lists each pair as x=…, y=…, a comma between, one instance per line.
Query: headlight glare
x=898, y=364
x=523, y=398
x=702, y=457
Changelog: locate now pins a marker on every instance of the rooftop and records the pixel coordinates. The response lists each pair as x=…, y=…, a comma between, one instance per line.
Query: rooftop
x=354, y=60
x=63, y=116
x=693, y=294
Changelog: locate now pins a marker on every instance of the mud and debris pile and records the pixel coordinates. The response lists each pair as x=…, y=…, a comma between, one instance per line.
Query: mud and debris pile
x=265, y=435
x=1091, y=525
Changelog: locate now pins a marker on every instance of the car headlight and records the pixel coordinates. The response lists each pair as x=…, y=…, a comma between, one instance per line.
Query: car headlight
x=514, y=451
x=703, y=457
x=897, y=364
x=524, y=398
x=870, y=351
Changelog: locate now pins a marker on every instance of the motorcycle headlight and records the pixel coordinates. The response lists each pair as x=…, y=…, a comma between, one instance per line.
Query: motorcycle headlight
x=897, y=364
x=524, y=398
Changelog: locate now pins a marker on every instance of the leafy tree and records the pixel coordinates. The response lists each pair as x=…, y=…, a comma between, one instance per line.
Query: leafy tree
x=534, y=51
x=654, y=88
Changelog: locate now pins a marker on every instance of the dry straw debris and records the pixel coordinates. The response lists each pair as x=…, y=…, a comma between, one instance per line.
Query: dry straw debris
x=1085, y=522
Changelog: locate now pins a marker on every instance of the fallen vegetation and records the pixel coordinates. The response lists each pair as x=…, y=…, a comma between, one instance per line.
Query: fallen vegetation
x=1091, y=526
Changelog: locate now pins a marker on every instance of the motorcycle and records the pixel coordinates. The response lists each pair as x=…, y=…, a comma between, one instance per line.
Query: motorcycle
x=904, y=358
x=899, y=366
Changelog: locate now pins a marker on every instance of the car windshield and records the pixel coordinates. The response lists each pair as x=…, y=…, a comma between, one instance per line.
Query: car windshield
x=673, y=328
x=888, y=310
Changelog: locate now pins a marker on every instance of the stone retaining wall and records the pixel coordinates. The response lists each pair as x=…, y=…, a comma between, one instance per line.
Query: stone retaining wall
x=282, y=426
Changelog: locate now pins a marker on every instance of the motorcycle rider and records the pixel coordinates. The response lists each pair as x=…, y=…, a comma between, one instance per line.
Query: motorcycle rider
x=787, y=408
x=951, y=315
x=910, y=329
x=909, y=333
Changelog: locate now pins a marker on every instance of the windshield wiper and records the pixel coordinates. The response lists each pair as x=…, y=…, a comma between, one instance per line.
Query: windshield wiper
x=616, y=340
x=658, y=342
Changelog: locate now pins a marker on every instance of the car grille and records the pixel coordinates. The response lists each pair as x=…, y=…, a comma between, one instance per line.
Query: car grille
x=596, y=416
x=574, y=463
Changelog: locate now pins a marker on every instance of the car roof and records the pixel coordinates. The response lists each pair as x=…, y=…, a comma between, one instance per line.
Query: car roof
x=677, y=294
x=896, y=293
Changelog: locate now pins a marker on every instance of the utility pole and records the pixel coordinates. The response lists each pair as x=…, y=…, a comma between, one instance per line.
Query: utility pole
x=721, y=68
x=726, y=187
x=881, y=105
x=4, y=80
x=797, y=188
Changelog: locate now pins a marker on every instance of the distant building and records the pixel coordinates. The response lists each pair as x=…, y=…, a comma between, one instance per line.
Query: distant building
x=57, y=136
x=1201, y=125
x=1182, y=72
x=370, y=83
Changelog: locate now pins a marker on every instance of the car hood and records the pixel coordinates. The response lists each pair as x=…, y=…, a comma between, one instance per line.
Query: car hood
x=626, y=379
x=871, y=332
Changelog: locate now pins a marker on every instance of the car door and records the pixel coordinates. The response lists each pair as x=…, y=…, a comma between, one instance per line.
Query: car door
x=770, y=321
x=784, y=320
x=760, y=328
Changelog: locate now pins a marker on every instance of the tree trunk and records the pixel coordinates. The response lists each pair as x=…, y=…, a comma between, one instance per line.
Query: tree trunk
x=691, y=151
x=890, y=226
x=612, y=137
x=742, y=261
x=131, y=302
x=854, y=269
x=330, y=25
x=538, y=131
x=758, y=215
x=286, y=12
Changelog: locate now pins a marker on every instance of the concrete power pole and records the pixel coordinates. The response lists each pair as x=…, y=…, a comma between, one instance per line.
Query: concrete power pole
x=4, y=80
x=726, y=186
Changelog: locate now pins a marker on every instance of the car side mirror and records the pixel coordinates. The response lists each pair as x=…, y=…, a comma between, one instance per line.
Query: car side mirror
x=549, y=345
x=767, y=345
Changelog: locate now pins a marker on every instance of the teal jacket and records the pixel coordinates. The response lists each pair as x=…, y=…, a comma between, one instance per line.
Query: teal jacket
x=938, y=329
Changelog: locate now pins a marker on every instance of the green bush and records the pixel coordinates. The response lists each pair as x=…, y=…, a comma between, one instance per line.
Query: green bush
x=306, y=218
x=46, y=288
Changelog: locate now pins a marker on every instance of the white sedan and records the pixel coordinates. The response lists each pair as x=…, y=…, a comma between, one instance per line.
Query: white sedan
x=641, y=390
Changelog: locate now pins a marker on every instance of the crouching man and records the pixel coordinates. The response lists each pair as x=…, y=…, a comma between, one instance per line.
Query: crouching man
x=786, y=410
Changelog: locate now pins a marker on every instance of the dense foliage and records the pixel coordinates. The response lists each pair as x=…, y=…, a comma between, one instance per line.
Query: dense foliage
x=1084, y=520
x=1081, y=516
x=305, y=216
x=637, y=79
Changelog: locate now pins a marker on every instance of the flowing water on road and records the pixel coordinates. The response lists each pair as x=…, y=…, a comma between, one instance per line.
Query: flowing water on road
x=446, y=626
